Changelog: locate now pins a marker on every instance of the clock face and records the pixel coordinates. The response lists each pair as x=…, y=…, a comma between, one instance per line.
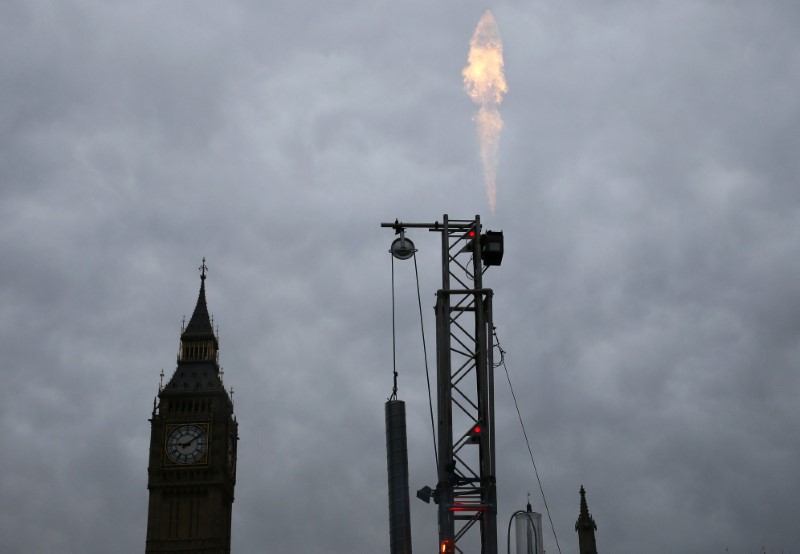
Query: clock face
x=187, y=444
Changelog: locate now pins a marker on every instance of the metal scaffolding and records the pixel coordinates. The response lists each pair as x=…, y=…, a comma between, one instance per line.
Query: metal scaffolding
x=466, y=491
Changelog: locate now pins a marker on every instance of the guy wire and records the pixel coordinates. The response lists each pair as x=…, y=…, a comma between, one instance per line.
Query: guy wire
x=524, y=433
x=394, y=340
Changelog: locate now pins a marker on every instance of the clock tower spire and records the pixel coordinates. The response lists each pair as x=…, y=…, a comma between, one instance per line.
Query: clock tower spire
x=193, y=436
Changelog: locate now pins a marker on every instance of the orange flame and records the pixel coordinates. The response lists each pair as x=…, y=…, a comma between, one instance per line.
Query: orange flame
x=485, y=83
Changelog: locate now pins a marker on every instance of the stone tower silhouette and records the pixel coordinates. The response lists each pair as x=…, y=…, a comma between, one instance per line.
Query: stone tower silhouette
x=193, y=444
x=585, y=526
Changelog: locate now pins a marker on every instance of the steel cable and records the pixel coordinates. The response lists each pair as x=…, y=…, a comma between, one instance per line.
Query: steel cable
x=524, y=433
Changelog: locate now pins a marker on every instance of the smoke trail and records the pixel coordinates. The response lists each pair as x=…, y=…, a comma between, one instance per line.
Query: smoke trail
x=485, y=83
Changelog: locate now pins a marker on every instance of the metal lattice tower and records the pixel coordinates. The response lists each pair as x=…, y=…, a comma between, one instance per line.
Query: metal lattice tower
x=466, y=490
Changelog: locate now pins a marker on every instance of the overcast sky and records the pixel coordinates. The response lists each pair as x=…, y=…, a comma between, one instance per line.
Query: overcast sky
x=648, y=301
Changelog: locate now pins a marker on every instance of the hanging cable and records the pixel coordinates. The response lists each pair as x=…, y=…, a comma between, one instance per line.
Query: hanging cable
x=524, y=433
x=394, y=340
x=424, y=352
x=427, y=372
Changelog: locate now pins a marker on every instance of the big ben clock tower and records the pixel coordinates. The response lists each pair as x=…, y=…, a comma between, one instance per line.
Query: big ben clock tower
x=193, y=436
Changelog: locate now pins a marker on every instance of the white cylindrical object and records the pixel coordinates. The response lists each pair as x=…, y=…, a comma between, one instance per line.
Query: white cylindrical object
x=528, y=533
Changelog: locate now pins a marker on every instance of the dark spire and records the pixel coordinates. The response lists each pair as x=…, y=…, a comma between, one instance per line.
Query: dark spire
x=198, y=366
x=200, y=322
x=585, y=526
x=585, y=507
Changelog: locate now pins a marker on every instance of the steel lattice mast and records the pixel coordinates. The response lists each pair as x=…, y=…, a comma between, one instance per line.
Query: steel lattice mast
x=466, y=491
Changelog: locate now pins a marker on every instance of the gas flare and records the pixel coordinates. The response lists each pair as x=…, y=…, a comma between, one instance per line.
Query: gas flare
x=485, y=83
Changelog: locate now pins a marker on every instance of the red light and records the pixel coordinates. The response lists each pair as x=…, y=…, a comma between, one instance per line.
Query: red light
x=471, y=234
x=476, y=429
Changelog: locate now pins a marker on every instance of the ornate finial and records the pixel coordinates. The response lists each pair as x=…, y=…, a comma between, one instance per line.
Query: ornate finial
x=584, y=505
x=183, y=323
x=529, y=503
x=161, y=381
x=585, y=519
x=203, y=268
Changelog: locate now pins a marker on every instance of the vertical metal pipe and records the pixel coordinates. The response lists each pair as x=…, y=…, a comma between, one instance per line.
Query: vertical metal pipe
x=485, y=388
x=445, y=424
x=397, y=466
x=491, y=466
x=443, y=382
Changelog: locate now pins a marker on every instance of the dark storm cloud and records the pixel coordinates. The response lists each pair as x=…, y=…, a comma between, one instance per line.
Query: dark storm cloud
x=647, y=301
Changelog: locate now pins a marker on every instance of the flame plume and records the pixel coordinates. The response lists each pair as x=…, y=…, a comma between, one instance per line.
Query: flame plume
x=485, y=83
